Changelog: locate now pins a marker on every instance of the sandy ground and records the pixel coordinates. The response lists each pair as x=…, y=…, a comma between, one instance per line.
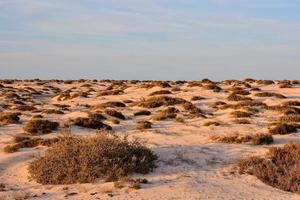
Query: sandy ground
x=190, y=165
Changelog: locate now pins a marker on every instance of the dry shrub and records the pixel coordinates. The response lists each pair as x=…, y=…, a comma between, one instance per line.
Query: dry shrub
x=265, y=82
x=94, y=121
x=282, y=128
x=112, y=104
x=211, y=123
x=241, y=121
x=168, y=113
x=278, y=168
x=240, y=114
x=9, y=118
x=256, y=139
x=142, y=124
x=270, y=94
x=110, y=92
x=115, y=113
x=291, y=103
x=142, y=112
x=157, y=101
x=294, y=118
x=160, y=92
x=85, y=159
x=28, y=142
x=212, y=87
x=53, y=111
x=235, y=97
x=113, y=121
x=39, y=126
x=197, y=98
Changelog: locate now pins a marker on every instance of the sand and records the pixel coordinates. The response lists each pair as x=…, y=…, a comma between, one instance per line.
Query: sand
x=190, y=165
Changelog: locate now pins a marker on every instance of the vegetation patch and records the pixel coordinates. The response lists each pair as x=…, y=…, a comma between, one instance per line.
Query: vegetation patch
x=85, y=159
x=40, y=126
x=278, y=168
x=256, y=139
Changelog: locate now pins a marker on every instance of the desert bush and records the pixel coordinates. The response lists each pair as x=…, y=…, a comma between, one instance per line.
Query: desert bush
x=241, y=121
x=142, y=124
x=240, y=114
x=39, y=126
x=28, y=142
x=115, y=113
x=278, y=168
x=282, y=128
x=213, y=87
x=112, y=104
x=157, y=101
x=113, y=121
x=110, y=92
x=93, y=121
x=168, y=113
x=197, y=98
x=270, y=94
x=52, y=111
x=265, y=82
x=291, y=103
x=211, y=123
x=290, y=118
x=160, y=92
x=9, y=118
x=85, y=159
x=255, y=139
x=142, y=112
x=235, y=97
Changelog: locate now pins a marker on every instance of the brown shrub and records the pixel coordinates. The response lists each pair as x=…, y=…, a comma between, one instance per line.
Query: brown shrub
x=94, y=121
x=270, y=94
x=290, y=118
x=168, y=113
x=291, y=103
x=241, y=121
x=142, y=112
x=112, y=104
x=9, y=118
x=82, y=160
x=211, y=123
x=160, y=92
x=197, y=98
x=256, y=139
x=52, y=111
x=278, y=168
x=142, y=124
x=110, y=92
x=241, y=114
x=282, y=128
x=115, y=113
x=157, y=101
x=39, y=126
x=235, y=97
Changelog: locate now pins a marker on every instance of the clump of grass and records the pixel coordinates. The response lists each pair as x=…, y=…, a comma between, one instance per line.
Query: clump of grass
x=142, y=112
x=241, y=114
x=291, y=103
x=114, y=113
x=241, y=121
x=293, y=118
x=85, y=159
x=52, y=111
x=93, y=121
x=236, y=97
x=282, y=128
x=212, y=87
x=113, y=121
x=142, y=124
x=255, y=139
x=270, y=94
x=278, y=168
x=168, y=113
x=39, y=126
x=197, y=98
x=28, y=142
x=110, y=92
x=9, y=118
x=211, y=123
x=160, y=92
x=112, y=104
x=157, y=101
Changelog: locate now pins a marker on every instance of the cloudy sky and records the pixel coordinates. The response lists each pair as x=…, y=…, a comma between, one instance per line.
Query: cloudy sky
x=150, y=39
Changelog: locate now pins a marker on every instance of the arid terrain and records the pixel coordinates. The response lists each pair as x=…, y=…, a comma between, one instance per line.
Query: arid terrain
x=200, y=130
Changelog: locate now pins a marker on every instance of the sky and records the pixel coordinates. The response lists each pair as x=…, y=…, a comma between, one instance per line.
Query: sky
x=150, y=39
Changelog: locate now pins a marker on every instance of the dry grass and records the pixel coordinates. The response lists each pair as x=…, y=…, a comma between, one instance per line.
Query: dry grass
x=114, y=113
x=160, y=92
x=255, y=139
x=270, y=94
x=93, y=121
x=241, y=114
x=157, y=101
x=9, y=118
x=85, y=159
x=278, y=168
x=39, y=126
x=142, y=112
x=282, y=129
x=142, y=125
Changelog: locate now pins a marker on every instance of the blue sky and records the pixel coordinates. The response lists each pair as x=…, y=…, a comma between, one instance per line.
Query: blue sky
x=150, y=39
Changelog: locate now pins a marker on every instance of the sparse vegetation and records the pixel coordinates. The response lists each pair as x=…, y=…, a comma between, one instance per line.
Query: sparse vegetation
x=85, y=159
x=255, y=139
x=278, y=168
x=39, y=126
